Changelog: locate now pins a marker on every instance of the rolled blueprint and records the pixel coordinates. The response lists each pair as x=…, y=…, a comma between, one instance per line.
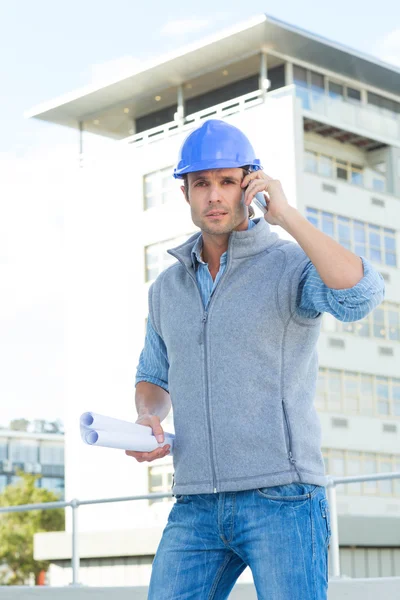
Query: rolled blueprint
x=99, y=430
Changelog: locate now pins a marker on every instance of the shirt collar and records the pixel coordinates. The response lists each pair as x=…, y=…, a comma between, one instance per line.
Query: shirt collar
x=198, y=248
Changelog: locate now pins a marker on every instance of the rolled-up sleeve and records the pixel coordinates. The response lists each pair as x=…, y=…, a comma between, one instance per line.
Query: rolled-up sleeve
x=349, y=304
x=153, y=362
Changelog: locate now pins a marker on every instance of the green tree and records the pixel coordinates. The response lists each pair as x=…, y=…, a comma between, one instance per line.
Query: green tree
x=17, y=529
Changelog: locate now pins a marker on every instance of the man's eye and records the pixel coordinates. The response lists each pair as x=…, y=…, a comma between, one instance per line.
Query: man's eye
x=199, y=183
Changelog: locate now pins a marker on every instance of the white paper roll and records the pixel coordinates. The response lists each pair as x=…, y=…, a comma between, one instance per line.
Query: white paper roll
x=99, y=430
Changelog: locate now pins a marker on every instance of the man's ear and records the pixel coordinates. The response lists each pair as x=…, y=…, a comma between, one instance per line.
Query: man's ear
x=184, y=193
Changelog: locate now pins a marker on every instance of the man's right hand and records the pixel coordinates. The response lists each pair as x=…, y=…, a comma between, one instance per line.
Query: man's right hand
x=154, y=422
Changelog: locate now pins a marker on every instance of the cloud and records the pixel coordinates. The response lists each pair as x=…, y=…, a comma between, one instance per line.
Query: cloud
x=184, y=26
x=388, y=48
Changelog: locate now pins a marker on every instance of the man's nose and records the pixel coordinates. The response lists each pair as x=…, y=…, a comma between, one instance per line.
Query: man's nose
x=214, y=194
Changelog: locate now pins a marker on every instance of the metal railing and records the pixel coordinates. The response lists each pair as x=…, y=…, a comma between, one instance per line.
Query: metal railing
x=217, y=111
x=74, y=504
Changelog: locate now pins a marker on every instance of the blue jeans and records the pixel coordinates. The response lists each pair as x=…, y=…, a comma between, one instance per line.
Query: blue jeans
x=281, y=532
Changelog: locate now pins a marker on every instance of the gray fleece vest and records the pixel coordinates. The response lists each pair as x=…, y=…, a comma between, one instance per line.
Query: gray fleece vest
x=242, y=375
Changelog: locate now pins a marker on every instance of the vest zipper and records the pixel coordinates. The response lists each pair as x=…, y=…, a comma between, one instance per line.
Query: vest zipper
x=290, y=455
x=205, y=315
x=204, y=322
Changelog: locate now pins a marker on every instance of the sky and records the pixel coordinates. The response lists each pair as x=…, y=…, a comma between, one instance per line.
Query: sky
x=49, y=48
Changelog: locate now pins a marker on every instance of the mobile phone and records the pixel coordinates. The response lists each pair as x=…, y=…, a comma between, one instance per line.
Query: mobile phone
x=259, y=200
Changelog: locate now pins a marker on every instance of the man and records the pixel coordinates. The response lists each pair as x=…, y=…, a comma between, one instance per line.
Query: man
x=231, y=342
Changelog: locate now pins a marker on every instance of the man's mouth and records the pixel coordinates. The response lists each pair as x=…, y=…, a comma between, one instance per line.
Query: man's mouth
x=216, y=213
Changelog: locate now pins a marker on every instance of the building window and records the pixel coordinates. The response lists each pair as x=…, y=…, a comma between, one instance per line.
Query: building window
x=310, y=87
x=160, y=187
x=51, y=454
x=345, y=463
x=53, y=484
x=26, y=451
x=336, y=168
x=160, y=480
x=364, y=239
x=311, y=161
x=157, y=258
x=354, y=393
x=385, y=106
x=155, y=119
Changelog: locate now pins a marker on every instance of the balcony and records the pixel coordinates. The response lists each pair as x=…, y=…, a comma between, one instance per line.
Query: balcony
x=370, y=126
x=362, y=119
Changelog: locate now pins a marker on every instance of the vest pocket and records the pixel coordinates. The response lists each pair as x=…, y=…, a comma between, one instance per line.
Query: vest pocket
x=289, y=446
x=288, y=433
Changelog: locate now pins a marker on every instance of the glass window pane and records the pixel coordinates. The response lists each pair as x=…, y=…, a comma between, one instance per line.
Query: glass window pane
x=375, y=255
x=351, y=393
x=357, y=176
x=370, y=468
x=337, y=463
x=53, y=484
x=354, y=468
x=382, y=392
x=343, y=231
x=26, y=451
x=325, y=166
x=385, y=487
x=155, y=481
x=390, y=259
x=299, y=76
x=367, y=395
x=374, y=239
x=341, y=170
x=327, y=223
x=394, y=324
x=390, y=243
x=317, y=82
x=335, y=90
x=353, y=94
x=311, y=161
x=334, y=391
x=363, y=327
x=378, y=323
x=359, y=231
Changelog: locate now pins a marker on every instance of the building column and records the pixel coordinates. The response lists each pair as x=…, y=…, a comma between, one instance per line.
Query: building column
x=180, y=112
x=288, y=73
x=264, y=82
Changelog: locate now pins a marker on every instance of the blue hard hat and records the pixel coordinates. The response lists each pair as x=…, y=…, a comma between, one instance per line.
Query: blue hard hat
x=215, y=145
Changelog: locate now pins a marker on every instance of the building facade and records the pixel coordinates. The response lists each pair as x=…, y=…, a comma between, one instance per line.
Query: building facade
x=325, y=120
x=37, y=453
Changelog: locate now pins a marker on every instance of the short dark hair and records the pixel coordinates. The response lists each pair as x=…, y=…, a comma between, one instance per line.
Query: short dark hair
x=186, y=191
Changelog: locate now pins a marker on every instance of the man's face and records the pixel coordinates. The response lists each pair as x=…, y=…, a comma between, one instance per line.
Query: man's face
x=216, y=200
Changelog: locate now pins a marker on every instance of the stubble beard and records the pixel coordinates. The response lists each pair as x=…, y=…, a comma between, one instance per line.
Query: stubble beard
x=221, y=228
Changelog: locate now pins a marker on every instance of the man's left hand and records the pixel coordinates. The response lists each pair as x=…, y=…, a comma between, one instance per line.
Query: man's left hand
x=277, y=203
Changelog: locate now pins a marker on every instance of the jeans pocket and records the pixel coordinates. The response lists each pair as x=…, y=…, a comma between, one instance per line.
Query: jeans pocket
x=325, y=512
x=289, y=492
x=181, y=498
